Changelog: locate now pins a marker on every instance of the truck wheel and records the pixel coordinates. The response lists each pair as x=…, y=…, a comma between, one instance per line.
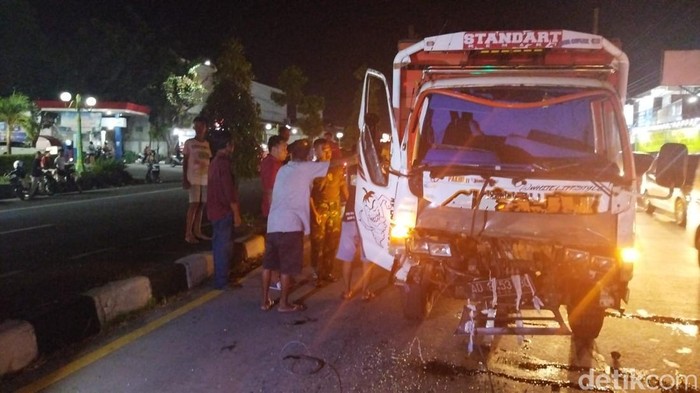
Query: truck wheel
x=648, y=207
x=587, y=323
x=419, y=295
x=679, y=213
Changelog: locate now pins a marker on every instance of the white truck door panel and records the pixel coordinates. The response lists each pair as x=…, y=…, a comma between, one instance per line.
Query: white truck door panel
x=376, y=182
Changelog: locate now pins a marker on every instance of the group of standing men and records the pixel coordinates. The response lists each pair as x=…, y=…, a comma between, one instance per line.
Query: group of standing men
x=300, y=198
x=210, y=183
x=303, y=198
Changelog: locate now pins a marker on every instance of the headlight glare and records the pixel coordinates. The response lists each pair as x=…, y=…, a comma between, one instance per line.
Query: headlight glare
x=403, y=224
x=629, y=255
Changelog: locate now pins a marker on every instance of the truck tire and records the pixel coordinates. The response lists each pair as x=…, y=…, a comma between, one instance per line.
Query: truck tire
x=419, y=295
x=648, y=207
x=679, y=213
x=587, y=323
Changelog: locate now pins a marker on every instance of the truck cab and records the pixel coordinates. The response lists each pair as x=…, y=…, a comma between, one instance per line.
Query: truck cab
x=509, y=179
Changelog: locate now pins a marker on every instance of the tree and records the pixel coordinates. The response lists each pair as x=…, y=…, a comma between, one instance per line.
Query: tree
x=312, y=123
x=35, y=122
x=233, y=111
x=352, y=133
x=292, y=81
x=183, y=92
x=14, y=111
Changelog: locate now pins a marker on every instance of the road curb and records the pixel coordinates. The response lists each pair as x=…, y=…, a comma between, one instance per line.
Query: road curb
x=84, y=315
x=18, y=343
x=120, y=297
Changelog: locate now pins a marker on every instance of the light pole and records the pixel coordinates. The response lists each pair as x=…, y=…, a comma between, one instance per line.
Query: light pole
x=339, y=135
x=78, y=103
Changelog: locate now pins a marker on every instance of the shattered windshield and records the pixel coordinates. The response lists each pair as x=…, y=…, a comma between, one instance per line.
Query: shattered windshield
x=537, y=129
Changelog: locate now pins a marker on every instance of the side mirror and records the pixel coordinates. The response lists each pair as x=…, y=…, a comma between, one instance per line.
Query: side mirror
x=671, y=165
x=642, y=162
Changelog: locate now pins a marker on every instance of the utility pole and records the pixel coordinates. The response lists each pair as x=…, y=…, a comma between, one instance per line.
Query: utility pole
x=596, y=12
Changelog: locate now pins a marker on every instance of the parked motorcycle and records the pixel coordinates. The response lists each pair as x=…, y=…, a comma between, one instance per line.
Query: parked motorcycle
x=19, y=181
x=22, y=186
x=153, y=173
x=68, y=181
x=47, y=184
x=175, y=160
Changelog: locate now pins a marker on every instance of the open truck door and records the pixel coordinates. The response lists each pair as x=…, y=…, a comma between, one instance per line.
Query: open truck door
x=378, y=155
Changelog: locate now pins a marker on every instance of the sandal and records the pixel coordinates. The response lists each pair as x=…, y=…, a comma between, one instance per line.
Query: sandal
x=293, y=308
x=368, y=295
x=346, y=295
x=268, y=305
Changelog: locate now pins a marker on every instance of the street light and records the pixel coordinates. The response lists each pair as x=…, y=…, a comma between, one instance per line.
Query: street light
x=79, y=104
x=339, y=135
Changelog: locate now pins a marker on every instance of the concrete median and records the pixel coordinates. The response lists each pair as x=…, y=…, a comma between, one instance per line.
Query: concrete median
x=21, y=342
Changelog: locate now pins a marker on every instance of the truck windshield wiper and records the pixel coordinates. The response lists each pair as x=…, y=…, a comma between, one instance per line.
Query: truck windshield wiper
x=477, y=169
x=591, y=164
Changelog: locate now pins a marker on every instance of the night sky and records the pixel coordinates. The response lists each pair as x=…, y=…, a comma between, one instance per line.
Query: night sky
x=330, y=39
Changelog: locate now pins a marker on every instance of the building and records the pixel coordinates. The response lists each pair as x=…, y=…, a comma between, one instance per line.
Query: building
x=669, y=112
x=272, y=115
x=123, y=126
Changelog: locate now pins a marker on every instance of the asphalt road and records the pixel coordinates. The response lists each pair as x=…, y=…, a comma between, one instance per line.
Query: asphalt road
x=227, y=344
x=222, y=342
x=53, y=247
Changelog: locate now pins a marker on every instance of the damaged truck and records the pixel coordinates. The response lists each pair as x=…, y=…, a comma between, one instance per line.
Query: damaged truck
x=497, y=168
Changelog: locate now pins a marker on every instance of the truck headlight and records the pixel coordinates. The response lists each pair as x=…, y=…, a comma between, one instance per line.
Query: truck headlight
x=603, y=263
x=576, y=256
x=440, y=250
x=419, y=246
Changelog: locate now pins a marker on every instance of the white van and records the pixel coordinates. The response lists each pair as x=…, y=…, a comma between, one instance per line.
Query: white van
x=672, y=202
x=679, y=201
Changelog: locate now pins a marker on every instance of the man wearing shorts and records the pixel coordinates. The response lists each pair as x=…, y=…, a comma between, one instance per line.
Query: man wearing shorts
x=350, y=242
x=195, y=169
x=288, y=222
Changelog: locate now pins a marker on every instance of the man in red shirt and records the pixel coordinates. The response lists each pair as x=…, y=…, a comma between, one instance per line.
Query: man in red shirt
x=269, y=166
x=268, y=170
x=222, y=211
x=335, y=148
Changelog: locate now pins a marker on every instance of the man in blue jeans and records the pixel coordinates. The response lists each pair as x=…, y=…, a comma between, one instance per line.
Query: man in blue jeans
x=222, y=211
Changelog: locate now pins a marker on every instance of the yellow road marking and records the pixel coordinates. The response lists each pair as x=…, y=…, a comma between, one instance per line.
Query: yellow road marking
x=92, y=357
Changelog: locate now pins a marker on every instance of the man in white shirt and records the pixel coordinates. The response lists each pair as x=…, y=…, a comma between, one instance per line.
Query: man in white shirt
x=60, y=163
x=195, y=169
x=288, y=222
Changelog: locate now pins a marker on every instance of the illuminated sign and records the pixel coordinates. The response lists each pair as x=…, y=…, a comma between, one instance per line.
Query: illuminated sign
x=512, y=39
